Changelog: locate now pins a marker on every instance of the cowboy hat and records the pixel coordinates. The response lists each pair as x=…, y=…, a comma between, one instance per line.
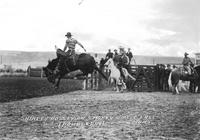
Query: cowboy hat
x=68, y=34
x=186, y=53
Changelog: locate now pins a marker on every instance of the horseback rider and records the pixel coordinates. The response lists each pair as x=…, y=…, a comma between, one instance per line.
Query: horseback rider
x=186, y=63
x=70, y=44
x=124, y=60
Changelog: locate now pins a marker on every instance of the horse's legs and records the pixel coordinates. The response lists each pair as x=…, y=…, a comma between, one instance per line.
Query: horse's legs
x=196, y=89
x=58, y=82
x=117, y=84
x=109, y=80
x=173, y=89
x=117, y=88
x=177, y=90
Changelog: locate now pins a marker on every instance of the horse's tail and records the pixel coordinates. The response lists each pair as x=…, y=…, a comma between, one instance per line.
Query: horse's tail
x=127, y=74
x=170, y=81
x=104, y=76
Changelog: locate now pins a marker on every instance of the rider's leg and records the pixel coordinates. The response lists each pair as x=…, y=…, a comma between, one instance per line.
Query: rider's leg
x=73, y=58
x=122, y=75
x=72, y=54
x=185, y=69
x=189, y=70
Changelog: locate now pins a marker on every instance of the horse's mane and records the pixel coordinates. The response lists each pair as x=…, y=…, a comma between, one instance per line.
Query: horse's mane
x=52, y=64
x=83, y=54
x=54, y=60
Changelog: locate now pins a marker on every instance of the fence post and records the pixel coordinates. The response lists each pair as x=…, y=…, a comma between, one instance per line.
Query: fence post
x=97, y=81
x=29, y=71
x=41, y=73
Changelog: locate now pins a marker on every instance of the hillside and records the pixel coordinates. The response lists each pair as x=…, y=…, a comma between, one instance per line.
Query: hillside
x=19, y=59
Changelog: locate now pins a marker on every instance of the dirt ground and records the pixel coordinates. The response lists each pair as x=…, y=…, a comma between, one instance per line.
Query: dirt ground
x=103, y=115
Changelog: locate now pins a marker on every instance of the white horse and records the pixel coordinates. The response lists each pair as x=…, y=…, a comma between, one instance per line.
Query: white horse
x=115, y=76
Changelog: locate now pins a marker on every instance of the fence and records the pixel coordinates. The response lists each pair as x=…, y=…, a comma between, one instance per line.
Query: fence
x=95, y=81
x=35, y=72
x=147, y=78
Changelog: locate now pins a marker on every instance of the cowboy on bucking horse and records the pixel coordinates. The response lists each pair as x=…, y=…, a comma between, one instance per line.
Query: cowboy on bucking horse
x=70, y=44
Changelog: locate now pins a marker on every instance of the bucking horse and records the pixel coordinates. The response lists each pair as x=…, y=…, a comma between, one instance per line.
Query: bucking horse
x=84, y=62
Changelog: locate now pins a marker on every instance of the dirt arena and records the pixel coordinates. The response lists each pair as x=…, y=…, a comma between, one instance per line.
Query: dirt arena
x=103, y=115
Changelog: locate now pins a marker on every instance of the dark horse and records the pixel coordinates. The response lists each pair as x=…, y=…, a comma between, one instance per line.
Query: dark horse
x=178, y=74
x=84, y=62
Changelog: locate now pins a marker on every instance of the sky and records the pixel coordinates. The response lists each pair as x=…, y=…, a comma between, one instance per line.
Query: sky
x=148, y=27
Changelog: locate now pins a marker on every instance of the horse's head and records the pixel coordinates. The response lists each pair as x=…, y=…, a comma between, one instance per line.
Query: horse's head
x=109, y=63
x=48, y=70
x=197, y=71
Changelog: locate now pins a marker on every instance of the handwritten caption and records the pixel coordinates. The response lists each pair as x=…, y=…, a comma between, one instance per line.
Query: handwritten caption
x=95, y=121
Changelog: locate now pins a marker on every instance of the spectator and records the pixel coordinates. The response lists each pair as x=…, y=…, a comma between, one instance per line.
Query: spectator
x=115, y=52
x=129, y=54
x=109, y=54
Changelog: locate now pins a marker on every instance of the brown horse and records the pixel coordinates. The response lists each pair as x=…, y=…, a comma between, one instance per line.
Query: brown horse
x=177, y=74
x=85, y=63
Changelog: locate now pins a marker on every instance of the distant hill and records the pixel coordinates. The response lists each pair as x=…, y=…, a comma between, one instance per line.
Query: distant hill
x=20, y=59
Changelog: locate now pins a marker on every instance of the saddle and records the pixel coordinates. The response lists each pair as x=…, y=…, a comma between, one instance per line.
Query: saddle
x=186, y=72
x=66, y=57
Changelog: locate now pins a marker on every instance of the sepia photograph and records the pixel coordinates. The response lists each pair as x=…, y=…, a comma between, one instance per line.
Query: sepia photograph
x=99, y=70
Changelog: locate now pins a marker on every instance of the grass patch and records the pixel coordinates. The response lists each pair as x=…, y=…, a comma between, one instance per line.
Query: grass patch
x=17, y=88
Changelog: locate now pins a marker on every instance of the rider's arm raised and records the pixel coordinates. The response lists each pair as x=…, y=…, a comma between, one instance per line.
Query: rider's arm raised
x=81, y=45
